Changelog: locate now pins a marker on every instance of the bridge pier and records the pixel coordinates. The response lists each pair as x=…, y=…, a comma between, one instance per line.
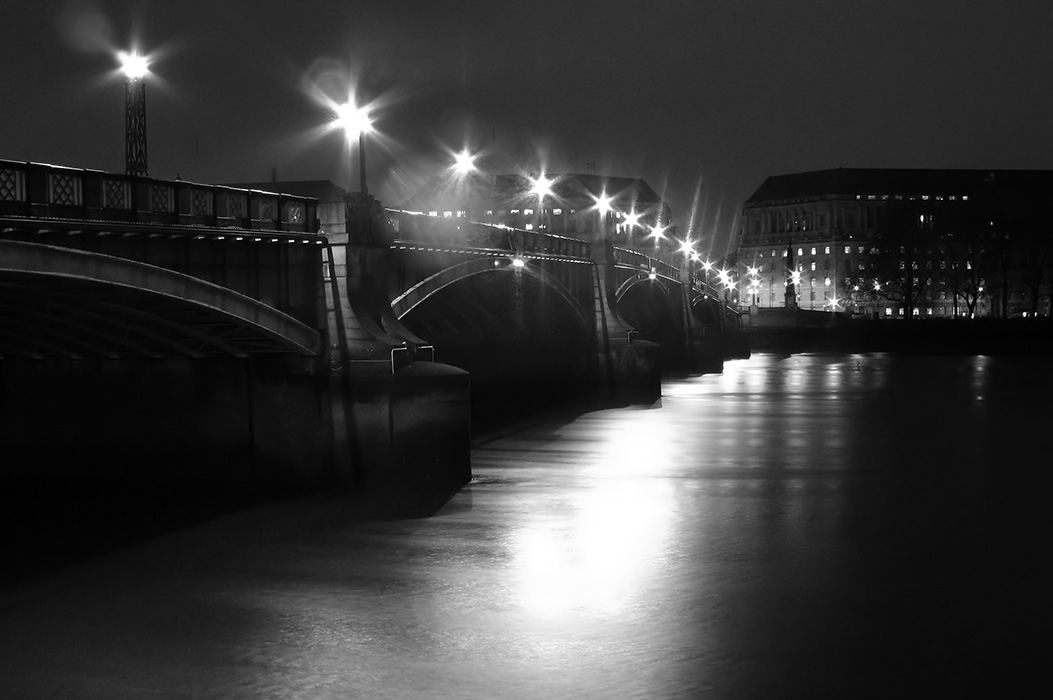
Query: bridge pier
x=402, y=420
x=629, y=367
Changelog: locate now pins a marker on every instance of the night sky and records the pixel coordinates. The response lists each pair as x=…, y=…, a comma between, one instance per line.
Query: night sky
x=702, y=99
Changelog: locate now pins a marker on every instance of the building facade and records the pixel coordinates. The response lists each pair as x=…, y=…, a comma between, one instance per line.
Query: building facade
x=892, y=243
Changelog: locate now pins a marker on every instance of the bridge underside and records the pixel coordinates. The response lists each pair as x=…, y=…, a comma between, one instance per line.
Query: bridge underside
x=57, y=302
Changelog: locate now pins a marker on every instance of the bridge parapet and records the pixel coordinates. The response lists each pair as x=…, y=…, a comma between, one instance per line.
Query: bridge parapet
x=449, y=232
x=37, y=190
x=634, y=259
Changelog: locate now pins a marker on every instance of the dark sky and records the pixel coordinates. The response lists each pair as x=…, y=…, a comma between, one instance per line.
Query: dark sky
x=702, y=99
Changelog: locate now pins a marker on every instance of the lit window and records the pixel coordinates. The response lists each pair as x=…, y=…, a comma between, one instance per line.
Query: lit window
x=848, y=249
x=784, y=253
x=530, y=227
x=827, y=283
x=462, y=213
x=870, y=196
x=827, y=250
x=447, y=214
x=433, y=213
x=813, y=251
x=965, y=197
x=862, y=265
x=489, y=212
x=800, y=252
x=557, y=212
x=528, y=212
x=888, y=310
x=860, y=250
x=813, y=266
x=513, y=211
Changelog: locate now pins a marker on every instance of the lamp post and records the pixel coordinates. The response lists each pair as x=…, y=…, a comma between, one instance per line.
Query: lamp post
x=355, y=121
x=134, y=68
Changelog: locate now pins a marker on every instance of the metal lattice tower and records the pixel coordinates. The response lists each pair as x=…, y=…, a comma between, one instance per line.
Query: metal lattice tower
x=135, y=126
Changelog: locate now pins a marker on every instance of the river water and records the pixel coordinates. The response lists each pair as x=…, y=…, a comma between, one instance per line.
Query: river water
x=808, y=526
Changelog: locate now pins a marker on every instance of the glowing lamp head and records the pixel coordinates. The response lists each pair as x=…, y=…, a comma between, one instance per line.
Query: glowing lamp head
x=133, y=65
x=354, y=120
x=687, y=246
x=464, y=163
x=752, y=272
x=603, y=203
x=632, y=219
x=518, y=263
x=541, y=186
x=653, y=275
x=707, y=265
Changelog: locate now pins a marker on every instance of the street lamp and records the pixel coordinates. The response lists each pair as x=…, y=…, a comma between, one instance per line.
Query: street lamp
x=541, y=186
x=135, y=68
x=355, y=121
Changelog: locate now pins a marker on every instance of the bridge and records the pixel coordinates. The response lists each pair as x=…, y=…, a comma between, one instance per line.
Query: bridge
x=217, y=333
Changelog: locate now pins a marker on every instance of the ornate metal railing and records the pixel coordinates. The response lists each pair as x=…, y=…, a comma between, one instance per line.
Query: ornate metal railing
x=626, y=257
x=453, y=233
x=36, y=190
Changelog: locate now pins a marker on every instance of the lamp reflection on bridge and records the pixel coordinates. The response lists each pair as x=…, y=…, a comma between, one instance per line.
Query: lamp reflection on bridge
x=518, y=263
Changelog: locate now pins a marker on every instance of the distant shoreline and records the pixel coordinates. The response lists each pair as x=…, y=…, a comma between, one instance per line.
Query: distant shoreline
x=952, y=336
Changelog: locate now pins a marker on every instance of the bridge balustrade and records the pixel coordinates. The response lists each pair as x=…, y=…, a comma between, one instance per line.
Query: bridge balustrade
x=646, y=263
x=45, y=191
x=456, y=232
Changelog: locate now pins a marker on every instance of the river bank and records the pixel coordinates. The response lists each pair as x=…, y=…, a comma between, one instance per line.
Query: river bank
x=945, y=336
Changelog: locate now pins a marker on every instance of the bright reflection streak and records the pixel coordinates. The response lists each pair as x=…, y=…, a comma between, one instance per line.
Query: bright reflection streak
x=600, y=561
x=133, y=65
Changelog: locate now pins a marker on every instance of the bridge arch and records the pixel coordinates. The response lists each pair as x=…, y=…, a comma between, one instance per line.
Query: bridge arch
x=431, y=285
x=61, y=301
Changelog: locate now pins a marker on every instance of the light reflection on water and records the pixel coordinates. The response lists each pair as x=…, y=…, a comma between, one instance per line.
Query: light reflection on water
x=803, y=526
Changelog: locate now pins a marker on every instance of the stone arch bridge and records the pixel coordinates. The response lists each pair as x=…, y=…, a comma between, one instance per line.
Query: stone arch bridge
x=215, y=333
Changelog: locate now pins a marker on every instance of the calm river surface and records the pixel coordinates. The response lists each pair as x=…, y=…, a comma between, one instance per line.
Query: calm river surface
x=813, y=526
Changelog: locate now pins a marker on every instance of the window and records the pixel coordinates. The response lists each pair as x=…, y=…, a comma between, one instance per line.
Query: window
x=489, y=212
x=827, y=283
x=813, y=251
x=860, y=250
x=557, y=212
x=800, y=252
x=461, y=213
x=528, y=212
x=513, y=211
x=862, y=265
x=433, y=213
x=530, y=227
x=827, y=250
x=813, y=266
